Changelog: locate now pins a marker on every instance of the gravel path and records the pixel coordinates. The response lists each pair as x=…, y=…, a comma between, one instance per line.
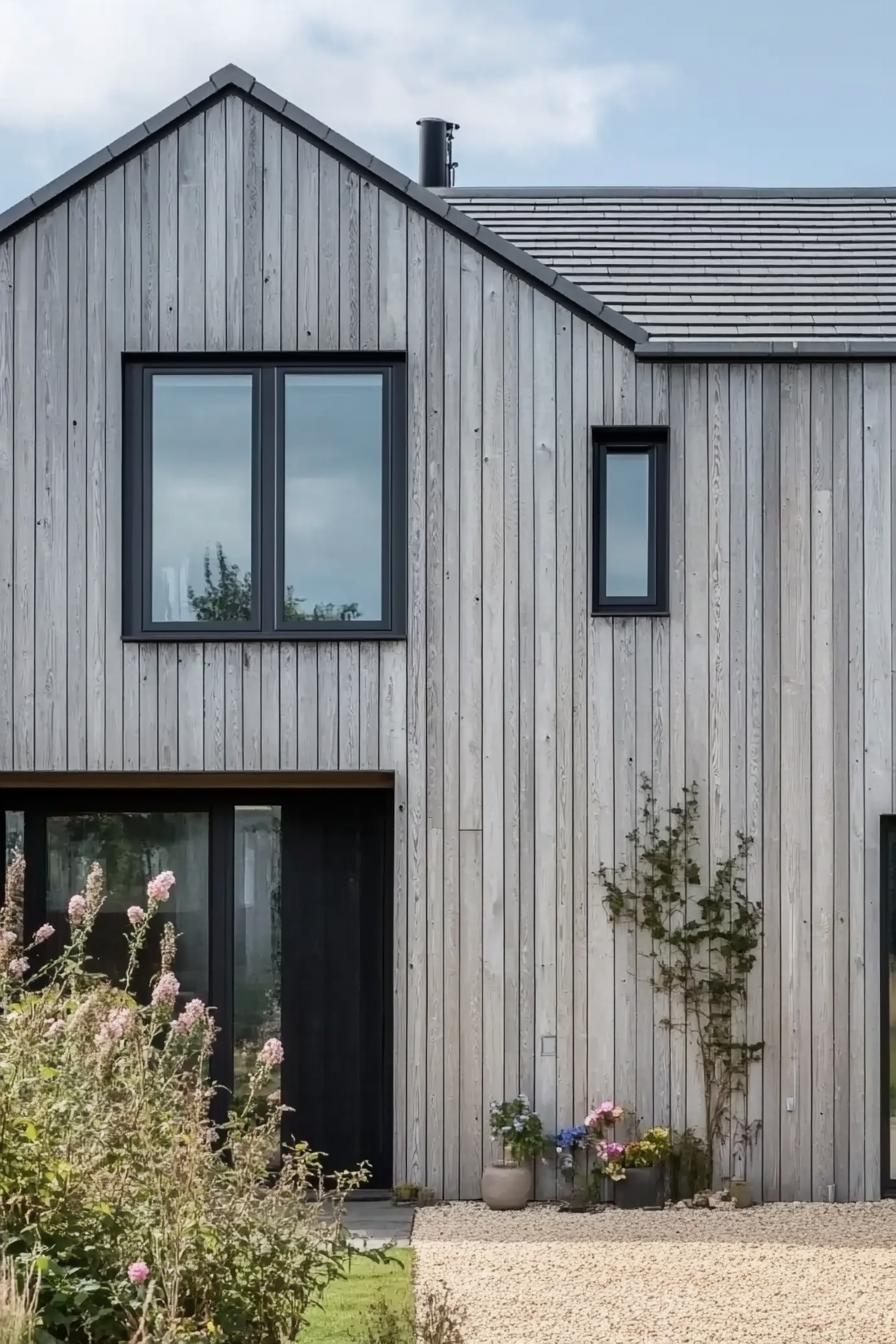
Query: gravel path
x=781, y=1272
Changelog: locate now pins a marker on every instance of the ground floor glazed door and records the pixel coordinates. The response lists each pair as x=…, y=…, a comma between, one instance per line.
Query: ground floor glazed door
x=283, y=910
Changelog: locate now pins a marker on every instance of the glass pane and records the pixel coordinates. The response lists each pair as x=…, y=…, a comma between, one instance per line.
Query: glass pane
x=202, y=497
x=256, y=991
x=132, y=847
x=332, y=497
x=627, y=522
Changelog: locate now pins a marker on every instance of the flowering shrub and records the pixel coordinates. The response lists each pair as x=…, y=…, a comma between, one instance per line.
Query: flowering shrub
x=517, y=1128
x=138, y=1218
x=586, y=1137
x=650, y=1150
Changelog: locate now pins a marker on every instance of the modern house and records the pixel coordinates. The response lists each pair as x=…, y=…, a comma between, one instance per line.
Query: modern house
x=362, y=544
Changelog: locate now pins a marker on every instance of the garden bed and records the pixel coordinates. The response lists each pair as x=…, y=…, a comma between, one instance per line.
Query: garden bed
x=778, y=1272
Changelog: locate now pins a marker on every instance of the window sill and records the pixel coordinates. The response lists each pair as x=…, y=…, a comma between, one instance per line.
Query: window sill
x=647, y=614
x=259, y=637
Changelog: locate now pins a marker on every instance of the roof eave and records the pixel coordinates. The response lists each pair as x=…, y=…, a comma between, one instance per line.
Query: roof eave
x=787, y=351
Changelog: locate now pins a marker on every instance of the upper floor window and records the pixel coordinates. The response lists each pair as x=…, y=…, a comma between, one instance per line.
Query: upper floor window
x=630, y=522
x=263, y=499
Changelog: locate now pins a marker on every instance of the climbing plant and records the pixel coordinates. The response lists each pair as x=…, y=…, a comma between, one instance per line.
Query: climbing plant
x=705, y=937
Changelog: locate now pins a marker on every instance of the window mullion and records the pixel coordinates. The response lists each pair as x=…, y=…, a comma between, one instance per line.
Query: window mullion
x=266, y=507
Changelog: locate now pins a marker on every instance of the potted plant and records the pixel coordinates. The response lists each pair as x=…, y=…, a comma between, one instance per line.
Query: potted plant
x=515, y=1126
x=638, y=1169
x=573, y=1146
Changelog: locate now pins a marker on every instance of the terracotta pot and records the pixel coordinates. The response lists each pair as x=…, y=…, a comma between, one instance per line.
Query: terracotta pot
x=741, y=1194
x=641, y=1189
x=507, y=1186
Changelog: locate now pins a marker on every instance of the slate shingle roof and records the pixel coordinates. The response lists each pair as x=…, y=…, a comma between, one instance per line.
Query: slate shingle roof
x=699, y=265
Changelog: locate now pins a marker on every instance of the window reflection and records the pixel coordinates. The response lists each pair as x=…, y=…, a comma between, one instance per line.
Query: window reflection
x=201, y=497
x=628, y=525
x=131, y=847
x=256, y=991
x=332, y=497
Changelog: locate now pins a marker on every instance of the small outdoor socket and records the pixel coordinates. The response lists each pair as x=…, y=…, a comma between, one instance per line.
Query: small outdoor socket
x=549, y=1045
x=788, y=1104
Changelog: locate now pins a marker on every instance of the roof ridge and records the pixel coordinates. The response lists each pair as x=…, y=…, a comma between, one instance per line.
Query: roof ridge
x=685, y=193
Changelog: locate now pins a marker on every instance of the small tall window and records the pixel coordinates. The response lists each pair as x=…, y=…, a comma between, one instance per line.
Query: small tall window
x=263, y=499
x=630, y=523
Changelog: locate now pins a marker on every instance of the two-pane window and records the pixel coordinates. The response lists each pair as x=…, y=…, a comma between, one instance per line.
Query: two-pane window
x=263, y=499
x=630, y=524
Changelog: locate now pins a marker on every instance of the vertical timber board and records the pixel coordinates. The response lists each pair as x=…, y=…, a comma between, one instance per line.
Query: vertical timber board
x=878, y=726
x=823, y=780
x=25, y=514
x=350, y=260
x=308, y=208
x=213, y=715
x=545, y=705
x=369, y=245
x=328, y=705
x=579, y=561
x=696, y=638
x=493, y=709
x=233, y=236
x=7, y=499
x=214, y=261
x=470, y=719
x=393, y=273
x=601, y=838
x=840, y=749
x=251, y=724
x=96, y=461
x=433, y=692
x=289, y=241
x=76, y=577
x=771, y=783
x=658, y=414
x=717, y=818
x=678, y=775
x=328, y=255
x=738, y=740
x=252, y=239
x=511, y=660
x=857, y=590
x=270, y=705
x=115, y=307
x=289, y=707
x=753, y=1109
x=526, y=431
x=272, y=203
x=233, y=707
x=148, y=658
x=306, y=679
x=416, y=693
x=796, y=799
x=349, y=705
x=133, y=330
x=451, y=721
x=393, y=756
x=563, y=882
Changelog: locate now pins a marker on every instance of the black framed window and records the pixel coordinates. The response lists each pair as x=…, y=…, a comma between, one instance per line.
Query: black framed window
x=264, y=497
x=630, y=522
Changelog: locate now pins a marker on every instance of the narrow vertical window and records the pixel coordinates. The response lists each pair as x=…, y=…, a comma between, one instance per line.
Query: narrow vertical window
x=630, y=523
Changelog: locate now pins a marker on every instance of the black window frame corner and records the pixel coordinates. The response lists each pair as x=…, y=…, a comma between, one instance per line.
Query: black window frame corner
x=268, y=370
x=653, y=440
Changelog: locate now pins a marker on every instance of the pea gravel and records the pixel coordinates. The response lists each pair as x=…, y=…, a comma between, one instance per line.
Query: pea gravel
x=780, y=1272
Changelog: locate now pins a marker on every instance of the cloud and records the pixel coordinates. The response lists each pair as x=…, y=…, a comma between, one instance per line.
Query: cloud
x=518, y=80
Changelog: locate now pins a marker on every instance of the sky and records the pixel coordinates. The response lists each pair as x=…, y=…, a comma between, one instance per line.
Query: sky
x=575, y=92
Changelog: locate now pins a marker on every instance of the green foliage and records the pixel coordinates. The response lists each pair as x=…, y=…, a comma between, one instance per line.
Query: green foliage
x=704, y=942
x=227, y=596
x=517, y=1128
x=689, y=1165
x=141, y=1220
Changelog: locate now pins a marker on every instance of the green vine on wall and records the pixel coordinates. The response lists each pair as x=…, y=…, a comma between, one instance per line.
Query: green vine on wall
x=703, y=945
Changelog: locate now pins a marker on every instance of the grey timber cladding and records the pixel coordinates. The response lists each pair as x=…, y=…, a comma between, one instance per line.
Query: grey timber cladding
x=699, y=265
x=515, y=726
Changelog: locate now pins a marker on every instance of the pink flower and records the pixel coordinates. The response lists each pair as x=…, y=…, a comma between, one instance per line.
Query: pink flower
x=159, y=888
x=115, y=1026
x=166, y=990
x=271, y=1053
x=18, y=967
x=7, y=937
x=138, y=1272
x=77, y=908
x=44, y=932
x=56, y=1028
x=136, y=915
x=192, y=1015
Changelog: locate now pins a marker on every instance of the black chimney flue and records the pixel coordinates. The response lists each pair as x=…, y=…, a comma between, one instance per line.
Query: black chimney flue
x=436, y=165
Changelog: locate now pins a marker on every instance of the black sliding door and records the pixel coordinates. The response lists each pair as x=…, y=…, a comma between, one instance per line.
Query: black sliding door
x=337, y=1004
x=283, y=907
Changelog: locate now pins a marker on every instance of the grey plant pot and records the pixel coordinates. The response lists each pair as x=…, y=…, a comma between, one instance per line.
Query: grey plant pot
x=642, y=1188
x=507, y=1187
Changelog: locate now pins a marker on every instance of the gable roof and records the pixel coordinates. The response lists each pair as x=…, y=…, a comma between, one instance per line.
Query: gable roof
x=232, y=79
x=738, y=267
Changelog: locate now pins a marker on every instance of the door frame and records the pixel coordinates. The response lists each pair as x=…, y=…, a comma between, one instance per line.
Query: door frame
x=887, y=911
x=219, y=802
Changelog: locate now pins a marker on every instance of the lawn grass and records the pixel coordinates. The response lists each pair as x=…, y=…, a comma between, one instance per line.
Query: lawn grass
x=346, y=1301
